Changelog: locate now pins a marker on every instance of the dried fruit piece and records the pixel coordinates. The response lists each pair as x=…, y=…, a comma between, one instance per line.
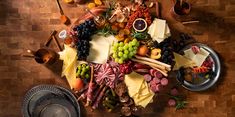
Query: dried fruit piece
x=98, y=2
x=121, y=33
x=155, y=53
x=127, y=31
x=91, y=5
x=114, y=28
x=119, y=38
x=127, y=40
x=120, y=18
x=122, y=25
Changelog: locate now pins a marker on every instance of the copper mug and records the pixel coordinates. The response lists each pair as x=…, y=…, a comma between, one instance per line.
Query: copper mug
x=44, y=56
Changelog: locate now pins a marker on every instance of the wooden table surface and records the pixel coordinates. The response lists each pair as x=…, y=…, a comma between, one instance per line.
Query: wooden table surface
x=26, y=24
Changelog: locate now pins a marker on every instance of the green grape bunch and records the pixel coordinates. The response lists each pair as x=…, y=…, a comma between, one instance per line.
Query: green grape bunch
x=83, y=71
x=122, y=52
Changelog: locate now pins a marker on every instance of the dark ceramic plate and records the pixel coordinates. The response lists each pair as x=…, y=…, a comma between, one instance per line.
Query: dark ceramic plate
x=55, y=106
x=205, y=83
x=56, y=97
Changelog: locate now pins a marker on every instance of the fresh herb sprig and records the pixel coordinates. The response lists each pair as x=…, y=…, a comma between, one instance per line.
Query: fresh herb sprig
x=106, y=30
x=140, y=35
x=180, y=102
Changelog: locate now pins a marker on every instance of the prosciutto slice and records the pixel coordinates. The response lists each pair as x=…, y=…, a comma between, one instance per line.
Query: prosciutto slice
x=105, y=75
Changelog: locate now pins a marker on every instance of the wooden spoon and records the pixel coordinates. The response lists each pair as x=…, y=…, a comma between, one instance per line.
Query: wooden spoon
x=64, y=19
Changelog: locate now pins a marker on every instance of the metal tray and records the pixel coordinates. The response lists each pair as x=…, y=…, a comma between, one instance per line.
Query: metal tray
x=206, y=83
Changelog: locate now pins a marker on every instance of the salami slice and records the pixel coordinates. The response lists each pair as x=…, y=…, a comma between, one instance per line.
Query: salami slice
x=156, y=80
x=147, y=77
x=164, y=81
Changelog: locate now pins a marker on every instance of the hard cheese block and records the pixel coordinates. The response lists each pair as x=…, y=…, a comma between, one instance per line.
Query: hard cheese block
x=100, y=49
x=138, y=89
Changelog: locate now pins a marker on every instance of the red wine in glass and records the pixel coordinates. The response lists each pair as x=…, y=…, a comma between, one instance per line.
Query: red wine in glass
x=182, y=8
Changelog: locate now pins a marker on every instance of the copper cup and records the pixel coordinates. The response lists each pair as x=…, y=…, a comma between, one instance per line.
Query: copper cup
x=44, y=56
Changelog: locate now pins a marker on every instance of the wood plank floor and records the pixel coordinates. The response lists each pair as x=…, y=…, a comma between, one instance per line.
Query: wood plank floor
x=26, y=24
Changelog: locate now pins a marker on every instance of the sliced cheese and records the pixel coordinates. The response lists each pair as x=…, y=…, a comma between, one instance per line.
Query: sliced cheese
x=100, y=49
x=182, y=61
x=69, y=57
x=167, y=32
x=160, y=30
x=200, y=57
x=133, y=82
x=189, y=53
x=138, y=89
x=145, y=100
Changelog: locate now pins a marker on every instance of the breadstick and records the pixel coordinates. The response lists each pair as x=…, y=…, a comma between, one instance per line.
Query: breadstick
x=153, y=61
x=148, y=63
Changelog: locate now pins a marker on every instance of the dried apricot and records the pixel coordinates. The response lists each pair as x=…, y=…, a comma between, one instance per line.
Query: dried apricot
x=122, y=25
x=114, y=28
x=91, y=5
x=98, y=2
x=121, y=33
x=119, y=38
x=126, y=31
x=127, y=40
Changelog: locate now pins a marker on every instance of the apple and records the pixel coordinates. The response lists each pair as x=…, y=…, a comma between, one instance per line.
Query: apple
x=142, y=50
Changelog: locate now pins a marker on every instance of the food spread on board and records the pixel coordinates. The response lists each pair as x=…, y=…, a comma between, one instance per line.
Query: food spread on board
x=121, y=56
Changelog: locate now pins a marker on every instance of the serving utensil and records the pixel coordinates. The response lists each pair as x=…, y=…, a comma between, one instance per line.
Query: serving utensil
x=63, y=18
